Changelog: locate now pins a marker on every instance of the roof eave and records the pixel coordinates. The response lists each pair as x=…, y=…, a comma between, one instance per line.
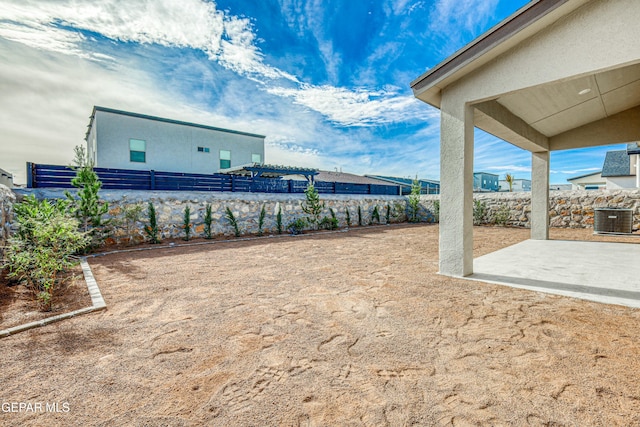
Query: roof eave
x=494, y=42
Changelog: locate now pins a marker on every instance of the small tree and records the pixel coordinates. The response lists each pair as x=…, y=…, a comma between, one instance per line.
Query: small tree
x=436, y=210
x=186, y=222
x=88, y=207
x=509, y=178
x=312, y=205
x=263, y=213
x=152, y=229
x=131, y=214
x=387, y=215
x=279, y=220
x=208, y=219
x=348, y=217
x=359, y=216
x=414, y=200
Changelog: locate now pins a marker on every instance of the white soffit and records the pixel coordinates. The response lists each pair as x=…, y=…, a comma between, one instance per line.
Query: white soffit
x=561, y=106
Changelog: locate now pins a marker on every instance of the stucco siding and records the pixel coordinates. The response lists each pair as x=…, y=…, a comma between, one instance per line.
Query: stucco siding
x=169, y=146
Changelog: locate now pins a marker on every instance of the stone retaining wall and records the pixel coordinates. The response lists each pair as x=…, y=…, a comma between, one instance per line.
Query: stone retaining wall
x=567, y=209
x=7, y=199
x=246, y=209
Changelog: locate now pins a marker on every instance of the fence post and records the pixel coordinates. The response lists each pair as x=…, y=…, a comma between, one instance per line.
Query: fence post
x=153, y=179
x=233, y=183
x=30, y=175
x=369, y=188
x=290, y=186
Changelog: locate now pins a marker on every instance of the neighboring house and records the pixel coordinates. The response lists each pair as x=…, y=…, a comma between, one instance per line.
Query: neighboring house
x=621, y=167
x=518, y=185
x=484, y=182
x=347, y=178
x=560, y=187
x=591, y=181
x=427, y=186
x=6, y=178
x=124, y=140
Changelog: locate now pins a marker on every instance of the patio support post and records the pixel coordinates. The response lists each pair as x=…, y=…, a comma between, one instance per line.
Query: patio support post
x=456, y=188
x=540, y=196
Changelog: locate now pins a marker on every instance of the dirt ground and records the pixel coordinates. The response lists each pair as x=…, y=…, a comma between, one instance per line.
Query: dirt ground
x=349, y=329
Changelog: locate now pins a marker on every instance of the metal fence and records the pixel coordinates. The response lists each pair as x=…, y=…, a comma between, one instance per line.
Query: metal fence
x=53, y=176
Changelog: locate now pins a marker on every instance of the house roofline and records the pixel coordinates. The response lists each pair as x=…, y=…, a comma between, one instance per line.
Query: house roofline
x=164, y=120
x=585, y=175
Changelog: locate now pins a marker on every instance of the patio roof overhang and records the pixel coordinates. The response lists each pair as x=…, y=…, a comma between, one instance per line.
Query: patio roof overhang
x=257, y=170
x=558, y=74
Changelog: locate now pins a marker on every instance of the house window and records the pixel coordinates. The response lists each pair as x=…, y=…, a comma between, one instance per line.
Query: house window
x=225, y=159
x=137, y=150
x=256, y=158
x=203, y=149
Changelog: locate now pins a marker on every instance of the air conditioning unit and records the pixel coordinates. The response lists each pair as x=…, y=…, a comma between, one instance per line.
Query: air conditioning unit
x=613, y=220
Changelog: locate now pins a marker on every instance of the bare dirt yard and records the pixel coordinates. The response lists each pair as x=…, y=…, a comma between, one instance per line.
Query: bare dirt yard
x=344, y=329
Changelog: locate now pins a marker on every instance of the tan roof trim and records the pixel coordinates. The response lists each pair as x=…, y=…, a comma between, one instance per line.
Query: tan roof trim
x=497, y=35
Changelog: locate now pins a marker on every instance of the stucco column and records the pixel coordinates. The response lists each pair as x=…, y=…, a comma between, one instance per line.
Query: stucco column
x=456, y=188
x=540, y=196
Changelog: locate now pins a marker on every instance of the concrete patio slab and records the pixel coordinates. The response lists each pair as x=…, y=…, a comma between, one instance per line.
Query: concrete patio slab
x=596, y=271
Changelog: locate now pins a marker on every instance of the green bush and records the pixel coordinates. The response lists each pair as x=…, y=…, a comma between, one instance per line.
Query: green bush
x=131, y=214
x=375, y=215
x=186, y=222
x=279, y=220
x=87, y=205
x=387, y=215
x=479, y=212
x=414, y=201
x=348, y=217
x=359, y=216
x=297, y=226
x=436, y=210
x=312, y=205
x=208, y=219
x=501, y=215
x=263, y=213
x=47, y=237
x=232, y=220
x=151, y=230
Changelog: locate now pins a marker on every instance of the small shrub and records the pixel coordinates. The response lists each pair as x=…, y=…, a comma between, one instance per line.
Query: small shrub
x=232, y=220
x=387, y=215
x=436, y=210
x=151, y=230
x=329, y=223
x=263, y=212
x=348, y=217
x=359, y=216
x=501, y=215
x=312, y=205
x=208, y=219
x=279, y=220
x=131, y=215
x=375, y=215
x=479, y=212
x=297, y=226
x=414, y=201
x=186, y=223
x=47, y=237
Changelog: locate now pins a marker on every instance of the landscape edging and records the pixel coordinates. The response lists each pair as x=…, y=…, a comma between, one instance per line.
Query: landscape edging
x=97, y=303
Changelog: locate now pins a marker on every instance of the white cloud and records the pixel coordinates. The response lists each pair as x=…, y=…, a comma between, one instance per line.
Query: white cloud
x=353, y=107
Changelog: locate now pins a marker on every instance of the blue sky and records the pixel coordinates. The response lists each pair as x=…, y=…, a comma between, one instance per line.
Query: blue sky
x=326, y=80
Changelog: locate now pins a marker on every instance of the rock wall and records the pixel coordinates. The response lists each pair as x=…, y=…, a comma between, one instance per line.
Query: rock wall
x=7, y=199
x=246, y=208
x=568, y=209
